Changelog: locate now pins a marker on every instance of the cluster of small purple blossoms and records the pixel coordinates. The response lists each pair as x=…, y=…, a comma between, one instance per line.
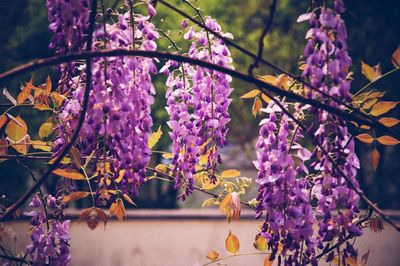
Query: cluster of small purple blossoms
x=119, y=104
x=49, y=237
x=282, y=195
x=327, y=64
x=197, y=103
x=69, y=22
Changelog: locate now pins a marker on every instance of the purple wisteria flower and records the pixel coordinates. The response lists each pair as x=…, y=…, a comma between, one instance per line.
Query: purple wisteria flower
x=327, y=67
x=119, y=103
x=197, y=103
x=283, y=193
x=49, y=237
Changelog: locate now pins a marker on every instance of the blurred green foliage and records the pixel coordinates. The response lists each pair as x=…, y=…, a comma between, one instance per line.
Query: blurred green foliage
x=374, y=33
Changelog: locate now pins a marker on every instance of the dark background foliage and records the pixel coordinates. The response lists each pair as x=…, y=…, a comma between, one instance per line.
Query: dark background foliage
x=374, y=33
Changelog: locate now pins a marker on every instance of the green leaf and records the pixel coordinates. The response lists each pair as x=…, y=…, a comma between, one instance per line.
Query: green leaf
x=230, y=173
x=260, y=243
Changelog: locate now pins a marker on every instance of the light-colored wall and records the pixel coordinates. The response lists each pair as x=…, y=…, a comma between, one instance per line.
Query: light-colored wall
x=146, y=241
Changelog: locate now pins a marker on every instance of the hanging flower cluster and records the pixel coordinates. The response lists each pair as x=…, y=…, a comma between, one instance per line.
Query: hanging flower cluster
x=119, y=103
x=69, y=21
x=49, y=237
x=197, y=103
x=327, y=64
x=281, y=194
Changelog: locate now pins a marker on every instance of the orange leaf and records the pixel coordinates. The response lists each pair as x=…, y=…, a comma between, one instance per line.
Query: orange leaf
x=25, y=93
x=232, y=244
x=69, y=173
x=57, y=98
x=40, y=145
x=76, y=157
x=269, y=79
x=375, y=159
x=396, y=58
x=389, y=121
x=75, y=196
x=85, y=214
x=102, y=216
x=3, y=146
x=365, y=138
x=47, y=87
x=118, y=209
x=257, y=105
x=212, y=255
x=382, y=107
x=388, y=140
x=3, y=120
x=267, y=261
x=371, y=73
x=250, y=94
x=22, y=146
x=265, y=98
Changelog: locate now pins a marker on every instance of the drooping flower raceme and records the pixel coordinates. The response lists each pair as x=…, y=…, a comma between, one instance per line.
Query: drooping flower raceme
x=327, y=64
x=283, y=193
x=119, y=103
x=69, y=21
x=49, y=244
x=197, y=103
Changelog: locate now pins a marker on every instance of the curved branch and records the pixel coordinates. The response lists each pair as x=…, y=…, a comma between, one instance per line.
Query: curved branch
x=265, y=87
x=74, y=137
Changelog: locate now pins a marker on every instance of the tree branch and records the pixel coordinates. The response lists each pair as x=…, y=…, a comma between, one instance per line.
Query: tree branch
x=265, y=87
x=264, y=33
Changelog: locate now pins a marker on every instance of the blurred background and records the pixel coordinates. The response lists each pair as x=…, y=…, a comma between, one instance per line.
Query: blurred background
x=374, y=34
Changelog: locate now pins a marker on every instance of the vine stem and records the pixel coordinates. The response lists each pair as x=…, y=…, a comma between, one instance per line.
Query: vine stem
x=355, y=116
x=74, y=137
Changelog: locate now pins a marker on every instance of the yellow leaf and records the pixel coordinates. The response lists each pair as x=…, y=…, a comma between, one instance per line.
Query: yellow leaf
x=382, y=107
x=232, y=244
x=40, y=145
x=260, y=243
x=302, y=67
x=3, y=120
x=76, y=157
x=375, y=159
x=155, y=137
x=167, y=156
x=388, y=140
x=118, y=209
x=208, y=202
x=16, y=129
x=46, y=128
x=267, y=261
x=396, y=58
x=213, y=255
x=206, y=182
x=268, y=79
x=371, y=73
x=65, y=160
x=57, y=98
x=265, y=98
x=230, y=173
x=75, y=196
x=25, y=93
x=69, y=173
x=120, y=176
x=128, y=199
x=365, y=138
x=250, y=94
x=226, y=206
x=257, y=105
x=389, y=121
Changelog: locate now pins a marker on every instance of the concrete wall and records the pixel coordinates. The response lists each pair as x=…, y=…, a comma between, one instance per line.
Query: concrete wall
x=183, y=238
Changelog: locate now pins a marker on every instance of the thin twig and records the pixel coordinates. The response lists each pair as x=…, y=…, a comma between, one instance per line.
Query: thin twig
x=11, y=258
x=74, y=137
x=264, y=33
